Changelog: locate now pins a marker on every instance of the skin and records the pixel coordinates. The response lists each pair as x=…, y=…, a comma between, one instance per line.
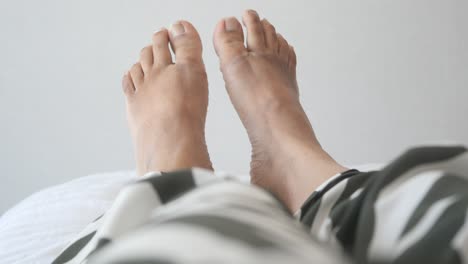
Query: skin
x=166, y=100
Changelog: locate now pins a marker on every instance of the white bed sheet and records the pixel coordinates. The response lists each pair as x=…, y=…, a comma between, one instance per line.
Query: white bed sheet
x=40, y=226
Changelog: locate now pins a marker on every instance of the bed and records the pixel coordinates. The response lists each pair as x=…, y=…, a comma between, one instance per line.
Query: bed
x=40, y=226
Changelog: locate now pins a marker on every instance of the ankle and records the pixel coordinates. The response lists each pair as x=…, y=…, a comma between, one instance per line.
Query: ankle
x=175, y=153
x=298, y=174
x=310, y=172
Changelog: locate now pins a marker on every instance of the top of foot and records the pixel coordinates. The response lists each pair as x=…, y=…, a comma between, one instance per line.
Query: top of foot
x=167, y=102
x=260, y=76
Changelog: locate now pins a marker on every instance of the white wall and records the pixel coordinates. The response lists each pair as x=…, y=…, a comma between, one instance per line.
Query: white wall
x=376, y=77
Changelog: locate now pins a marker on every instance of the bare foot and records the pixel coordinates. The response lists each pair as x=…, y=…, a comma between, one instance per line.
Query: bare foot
x=261, y=81
x=167, y=102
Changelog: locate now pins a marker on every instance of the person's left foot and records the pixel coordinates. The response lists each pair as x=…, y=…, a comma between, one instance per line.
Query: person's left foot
x=167, y=102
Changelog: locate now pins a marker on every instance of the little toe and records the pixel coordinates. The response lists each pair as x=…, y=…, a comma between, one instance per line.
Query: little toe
x=255, y=32
x=292, y=60
x=283, y=48
x=146, y=59
x=161, y=53
x=127, y=84
x=271, y=39
x=137, y=75
x=185, y=42
x=228, y=40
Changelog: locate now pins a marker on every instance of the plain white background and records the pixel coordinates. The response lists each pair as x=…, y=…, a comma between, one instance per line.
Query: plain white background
x=376, y=77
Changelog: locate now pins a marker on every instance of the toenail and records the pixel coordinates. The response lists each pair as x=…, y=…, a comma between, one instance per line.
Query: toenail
x=254, y=13
x=159, y=30
x=177, y=29
x=231, y=24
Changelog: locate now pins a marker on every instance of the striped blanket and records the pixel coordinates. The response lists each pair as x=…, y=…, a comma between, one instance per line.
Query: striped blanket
x=414, y=210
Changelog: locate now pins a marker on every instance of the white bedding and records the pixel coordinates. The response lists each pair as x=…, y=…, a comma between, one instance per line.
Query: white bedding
x=39, y=227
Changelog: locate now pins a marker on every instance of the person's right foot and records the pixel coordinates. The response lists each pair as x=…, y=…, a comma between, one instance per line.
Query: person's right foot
x=261, y=81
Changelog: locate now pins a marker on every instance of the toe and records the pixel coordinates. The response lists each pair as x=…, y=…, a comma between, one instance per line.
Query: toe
x=283, y=48
x=127, y=84
x=146, y=58
x=228, y=40
x=185, y=42
x=292, y=66
x=161, y=53
x=271, y=40
x=292, y=60
x=137, y=75
x=255, y=32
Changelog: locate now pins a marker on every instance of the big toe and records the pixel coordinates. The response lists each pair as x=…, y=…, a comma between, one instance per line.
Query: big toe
x=185, y=42
x=229, y=40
